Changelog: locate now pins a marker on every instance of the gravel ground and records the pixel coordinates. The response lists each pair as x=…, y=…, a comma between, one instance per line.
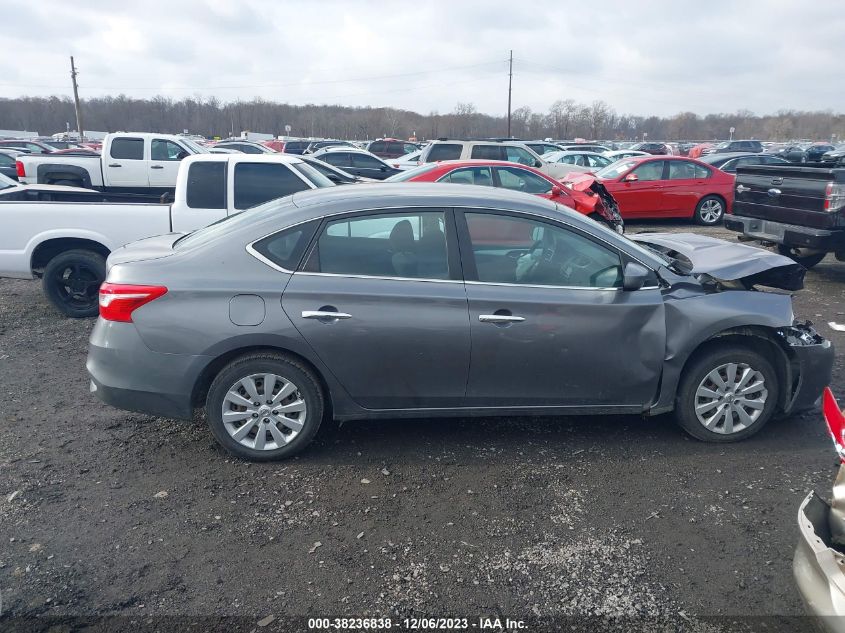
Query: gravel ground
x=107, y=513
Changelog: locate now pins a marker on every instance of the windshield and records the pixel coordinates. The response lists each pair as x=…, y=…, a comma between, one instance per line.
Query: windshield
x=313, y=175
x=407, y=175
x=614, y=170
x=196, y=147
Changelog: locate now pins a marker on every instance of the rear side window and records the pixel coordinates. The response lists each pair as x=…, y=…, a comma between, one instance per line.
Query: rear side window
x=338, y=159
x=377, y=146
x=285, y=248
x=257, y=183
x=488, y=152
x=444, y=151
x=207, y=185
x=681, y=170
x=127, y=148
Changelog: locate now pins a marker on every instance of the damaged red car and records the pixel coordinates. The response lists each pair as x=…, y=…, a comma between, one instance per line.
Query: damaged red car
x=663, y=187
x=592, y=200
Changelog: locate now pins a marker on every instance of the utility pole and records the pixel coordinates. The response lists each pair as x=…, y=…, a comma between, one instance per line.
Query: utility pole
x=510, y=86
x=73, y=74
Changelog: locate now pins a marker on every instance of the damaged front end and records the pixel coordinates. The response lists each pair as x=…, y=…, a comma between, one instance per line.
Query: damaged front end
x=819, y=558
x=722, y=265
x=607, y=207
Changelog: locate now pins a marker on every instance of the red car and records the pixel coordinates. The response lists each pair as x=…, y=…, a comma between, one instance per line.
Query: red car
x=592, y=200
x=664, y=187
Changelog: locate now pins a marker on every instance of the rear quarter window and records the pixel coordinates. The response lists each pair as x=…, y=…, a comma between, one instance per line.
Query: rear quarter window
x=444, y=151
x=286, y=248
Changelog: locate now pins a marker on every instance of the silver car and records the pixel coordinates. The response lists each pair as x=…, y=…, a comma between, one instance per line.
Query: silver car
x=428, y=300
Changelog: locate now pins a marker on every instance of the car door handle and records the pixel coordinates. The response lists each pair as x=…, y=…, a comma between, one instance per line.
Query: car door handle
x=324, y=314
x=500, y=318
x=115, y=165
x=157, y=167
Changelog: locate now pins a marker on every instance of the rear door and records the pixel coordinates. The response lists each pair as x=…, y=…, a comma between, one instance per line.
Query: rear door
x=381, y=302
x=165, y=157
x=369, y=166
x=549, y=323
x=681, y=190
x=127, y=163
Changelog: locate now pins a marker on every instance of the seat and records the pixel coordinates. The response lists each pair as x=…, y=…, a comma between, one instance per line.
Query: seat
x=483, y=178
x=431, y=250
x=402, y=248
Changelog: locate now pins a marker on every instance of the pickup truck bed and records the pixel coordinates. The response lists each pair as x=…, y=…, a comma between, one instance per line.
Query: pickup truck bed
x=800, y=210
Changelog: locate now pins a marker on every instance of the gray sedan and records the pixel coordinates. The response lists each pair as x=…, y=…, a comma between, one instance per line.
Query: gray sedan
x=428, y=300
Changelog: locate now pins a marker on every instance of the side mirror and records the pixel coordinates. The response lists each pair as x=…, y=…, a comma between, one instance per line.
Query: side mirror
x=538, y=164
x=181, y=155
x=634, y=276
x=333, y=176
x=631, y=178
x=556, y=191
x=383, y=168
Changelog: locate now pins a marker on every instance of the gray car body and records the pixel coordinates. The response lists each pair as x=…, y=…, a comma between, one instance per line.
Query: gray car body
x=415, y=348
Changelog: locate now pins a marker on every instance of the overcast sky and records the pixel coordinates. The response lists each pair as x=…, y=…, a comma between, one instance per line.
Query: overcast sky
x=656, y=57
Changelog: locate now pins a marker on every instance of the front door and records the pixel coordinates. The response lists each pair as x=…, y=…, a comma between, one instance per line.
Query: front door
x=385, y=309
x=165, y=157
x=550, y=324
x=641, y=198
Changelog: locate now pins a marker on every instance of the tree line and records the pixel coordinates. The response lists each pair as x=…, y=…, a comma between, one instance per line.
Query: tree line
x=565, y=119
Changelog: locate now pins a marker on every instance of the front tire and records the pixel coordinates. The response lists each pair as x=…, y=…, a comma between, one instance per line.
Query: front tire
x=265, y=407
x=709, y=211
x=72, y=282
x=727, y=394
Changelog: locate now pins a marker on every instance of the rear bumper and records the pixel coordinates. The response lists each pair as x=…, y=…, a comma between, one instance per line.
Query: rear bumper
x=786, y=234
x=817, y=568
x=126, y=374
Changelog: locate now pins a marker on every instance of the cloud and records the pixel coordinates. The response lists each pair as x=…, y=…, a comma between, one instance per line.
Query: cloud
x=659, y=57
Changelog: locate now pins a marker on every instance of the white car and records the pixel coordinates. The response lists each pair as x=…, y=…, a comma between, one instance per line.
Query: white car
x=589, y=160
x=408, y=161
x=619, y=154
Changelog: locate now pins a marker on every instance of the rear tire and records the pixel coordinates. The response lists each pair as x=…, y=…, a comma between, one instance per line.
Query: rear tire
x=804, y=256
x=702, y=406
x=709, y=211
x=72, y=282
x=253, y=429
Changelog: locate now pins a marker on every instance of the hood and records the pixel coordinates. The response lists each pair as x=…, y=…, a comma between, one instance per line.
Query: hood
x=147, y=248
x=727, y=261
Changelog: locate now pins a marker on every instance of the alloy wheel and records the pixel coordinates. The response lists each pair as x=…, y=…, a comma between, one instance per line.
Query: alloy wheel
x=711, y=211
x=730, y=398
x=264, y=411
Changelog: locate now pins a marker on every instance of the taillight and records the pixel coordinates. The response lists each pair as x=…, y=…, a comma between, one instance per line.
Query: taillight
x=834, y=197
x=118, y=301
x=20, y=169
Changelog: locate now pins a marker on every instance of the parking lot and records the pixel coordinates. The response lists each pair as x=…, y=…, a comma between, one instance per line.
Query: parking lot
x=105, y=512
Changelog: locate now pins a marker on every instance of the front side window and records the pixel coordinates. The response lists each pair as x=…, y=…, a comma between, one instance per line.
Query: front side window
x=519, y=155
x=443, y=151
x=166, y=150
x=514, y=250
x=522, y=180
x=207, y=185
x=256, y=183
x=652, y=170
x=127, y=148
x=470, y=176
x=411, y=245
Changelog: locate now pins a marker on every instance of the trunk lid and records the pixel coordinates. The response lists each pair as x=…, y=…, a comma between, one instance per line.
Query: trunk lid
x=148, y=248
x=727, y=261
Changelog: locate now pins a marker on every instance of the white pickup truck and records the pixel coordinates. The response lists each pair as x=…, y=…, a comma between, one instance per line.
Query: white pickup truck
x=129, y=162
x=66, y=243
